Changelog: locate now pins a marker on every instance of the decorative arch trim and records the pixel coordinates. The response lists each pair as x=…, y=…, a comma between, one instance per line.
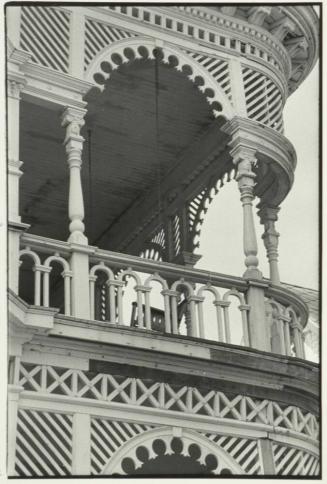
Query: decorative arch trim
x=167, y=434
x=128, y=50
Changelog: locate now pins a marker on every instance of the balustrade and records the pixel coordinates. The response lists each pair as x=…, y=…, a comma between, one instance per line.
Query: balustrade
x=182, y=306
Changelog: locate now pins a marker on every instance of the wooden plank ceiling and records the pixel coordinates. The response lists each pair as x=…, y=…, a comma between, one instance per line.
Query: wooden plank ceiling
x=121, y=158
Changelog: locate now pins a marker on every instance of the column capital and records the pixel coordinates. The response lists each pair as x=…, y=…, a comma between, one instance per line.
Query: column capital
x=268, y=214
x=73, y=120
x=14, y=86
x=241, y=153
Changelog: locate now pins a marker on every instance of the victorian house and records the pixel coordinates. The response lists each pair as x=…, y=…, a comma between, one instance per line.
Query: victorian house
x=124, y=121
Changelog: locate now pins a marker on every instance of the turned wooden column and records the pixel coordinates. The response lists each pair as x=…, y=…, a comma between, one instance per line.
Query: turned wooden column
x=73, y=120
x=268, y=217
x=244, y=158
x=259, y=329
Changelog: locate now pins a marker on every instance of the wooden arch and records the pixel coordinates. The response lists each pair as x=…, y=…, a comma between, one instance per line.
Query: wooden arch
x=187, y=438
x=128, y=50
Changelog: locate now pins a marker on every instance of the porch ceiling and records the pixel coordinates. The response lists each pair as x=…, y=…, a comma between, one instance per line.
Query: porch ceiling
x=121, y=162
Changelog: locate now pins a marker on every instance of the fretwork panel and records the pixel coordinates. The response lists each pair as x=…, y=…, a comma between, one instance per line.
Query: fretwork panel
x=45, y=34
x=107, y=436
x=44, y=443
x=98, y=35
x=159, y=395
x=244, y=451
x=290, y=461
x=264, y=101
x=219, y=70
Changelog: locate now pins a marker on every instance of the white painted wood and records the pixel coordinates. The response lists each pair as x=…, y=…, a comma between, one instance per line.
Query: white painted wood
x=81, y=444
x=72, y=120
x=267, y=457
x=13, y=21
x=13, y=399
x=77, y=39
x=237, y=88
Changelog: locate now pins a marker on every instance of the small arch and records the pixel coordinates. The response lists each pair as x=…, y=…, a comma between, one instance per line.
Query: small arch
x=128, y=50
x=30, y=276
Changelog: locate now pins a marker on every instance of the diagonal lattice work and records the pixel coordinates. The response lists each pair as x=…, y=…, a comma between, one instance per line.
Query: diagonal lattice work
x=45, y=34
x=99, y=35
x=218, y=68
x=244, y=451
x=290, y=461
x=166, y=396
x=264, y=102
x=44, y=443
x=107, y=436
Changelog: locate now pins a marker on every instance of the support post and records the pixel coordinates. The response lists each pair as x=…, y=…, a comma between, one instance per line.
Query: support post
x=244, y=158
x=268, y=217
x=267, y=457
x=259, y=329
x=81, y=464
x=16, y=228
x=73, y=120
x=14, y=392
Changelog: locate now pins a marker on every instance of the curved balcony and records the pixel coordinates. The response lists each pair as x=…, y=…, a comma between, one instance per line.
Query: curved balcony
x=163, y=299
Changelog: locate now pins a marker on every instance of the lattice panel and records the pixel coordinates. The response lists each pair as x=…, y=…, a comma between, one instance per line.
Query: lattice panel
x=219, y=70
x=107, y=436
x=264, y=101
x=244, y=451
x=141, y=392
x=290, y=461
x=44, y=444
x=45, y=34
x=98, y=35
x=176, y=226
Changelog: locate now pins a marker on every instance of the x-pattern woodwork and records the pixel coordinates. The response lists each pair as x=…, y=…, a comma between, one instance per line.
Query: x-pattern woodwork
x=160, y=395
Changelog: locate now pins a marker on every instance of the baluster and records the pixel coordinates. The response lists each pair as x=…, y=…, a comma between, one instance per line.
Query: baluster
x=287, y=336
x=174, y=295
x=120, y=302
x=225, y=305
x=140, y=321
x=218, y=305
x=165, y=294
x=112, y=300
x=147, y=315
x=92, y=280
x=280, y=323
x=297, y=330
x=46, y=274
x=37, y=269
x=192, y=315
x=200, y=301
x=244, y=308
x=67, y=275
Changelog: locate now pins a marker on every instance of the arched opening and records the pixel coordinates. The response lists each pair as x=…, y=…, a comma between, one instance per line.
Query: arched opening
x=56, y=287
x=160, y=452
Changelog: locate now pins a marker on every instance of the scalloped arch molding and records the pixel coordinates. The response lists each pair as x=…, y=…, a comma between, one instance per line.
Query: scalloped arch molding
x=188, y=437
x=128, y=50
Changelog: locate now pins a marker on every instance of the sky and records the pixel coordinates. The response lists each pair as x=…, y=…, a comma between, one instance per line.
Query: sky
x=221, y=237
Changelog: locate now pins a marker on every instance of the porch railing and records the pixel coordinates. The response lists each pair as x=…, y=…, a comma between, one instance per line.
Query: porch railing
x=166, y=298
